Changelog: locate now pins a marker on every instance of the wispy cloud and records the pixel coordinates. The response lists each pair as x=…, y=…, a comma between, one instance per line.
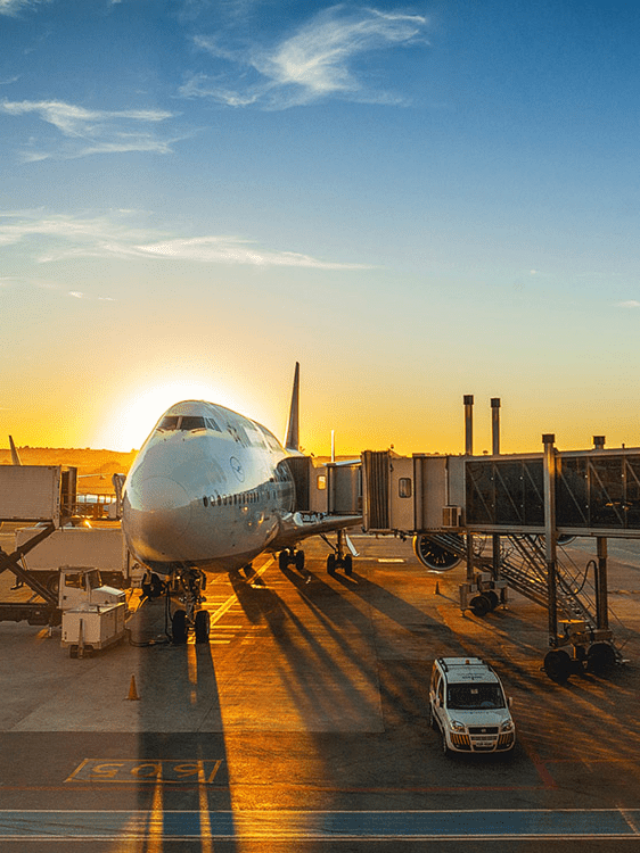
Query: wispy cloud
x=234, y=250
x=629, y=303
x=12, y=7
x=317, y=61
x=94, y=131
x=56, y=238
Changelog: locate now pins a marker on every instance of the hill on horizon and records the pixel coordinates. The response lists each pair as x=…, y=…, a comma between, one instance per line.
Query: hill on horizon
x=86, y=460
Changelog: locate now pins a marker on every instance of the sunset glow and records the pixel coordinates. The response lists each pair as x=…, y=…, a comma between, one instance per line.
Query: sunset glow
x=415, y=202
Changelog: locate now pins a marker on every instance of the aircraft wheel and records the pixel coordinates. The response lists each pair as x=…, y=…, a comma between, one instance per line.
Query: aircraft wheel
x=283, y=559
x=331, y=564
x=53, y=583
x=348, y=565
x=203, y=623
x=480, y=605
x=179, y=627
x=299, y=560
x=557, y=665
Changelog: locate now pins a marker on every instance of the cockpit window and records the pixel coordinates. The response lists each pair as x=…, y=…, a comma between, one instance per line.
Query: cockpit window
x=187, y=423
x=190, y=422
x=169, y=422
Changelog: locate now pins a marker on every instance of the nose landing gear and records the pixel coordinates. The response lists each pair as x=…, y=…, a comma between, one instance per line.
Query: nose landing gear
x=190, y=583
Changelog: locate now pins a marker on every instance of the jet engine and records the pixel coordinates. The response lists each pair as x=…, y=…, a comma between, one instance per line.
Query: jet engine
x=439, y=553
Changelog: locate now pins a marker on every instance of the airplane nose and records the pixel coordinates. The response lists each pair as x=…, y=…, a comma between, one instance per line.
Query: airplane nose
x=159, y=515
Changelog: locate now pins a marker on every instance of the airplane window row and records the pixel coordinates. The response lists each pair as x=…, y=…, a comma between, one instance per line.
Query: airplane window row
x=229, y=500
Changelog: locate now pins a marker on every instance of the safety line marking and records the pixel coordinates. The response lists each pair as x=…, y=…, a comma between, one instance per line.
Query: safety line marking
x=322, y=825
x=228, y=603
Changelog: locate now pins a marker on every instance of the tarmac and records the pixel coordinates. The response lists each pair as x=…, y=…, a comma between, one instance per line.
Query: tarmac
x=303, y=725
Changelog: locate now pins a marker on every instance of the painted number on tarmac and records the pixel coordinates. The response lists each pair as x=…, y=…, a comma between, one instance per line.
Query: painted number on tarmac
x=103, y=770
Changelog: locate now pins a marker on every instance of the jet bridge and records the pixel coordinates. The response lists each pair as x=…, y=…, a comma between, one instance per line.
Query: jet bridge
x=41, y=494
x=528, y=506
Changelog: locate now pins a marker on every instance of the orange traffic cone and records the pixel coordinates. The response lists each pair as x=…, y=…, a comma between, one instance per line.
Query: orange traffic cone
x=133, y=691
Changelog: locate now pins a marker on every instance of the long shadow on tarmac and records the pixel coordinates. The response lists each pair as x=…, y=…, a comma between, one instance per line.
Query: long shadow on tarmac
x=181, y=770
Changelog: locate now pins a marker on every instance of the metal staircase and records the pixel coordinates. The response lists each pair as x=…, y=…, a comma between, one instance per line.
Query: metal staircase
x=523, y=566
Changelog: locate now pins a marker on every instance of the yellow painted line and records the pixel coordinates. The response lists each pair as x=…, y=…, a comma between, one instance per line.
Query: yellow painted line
x=224, y=608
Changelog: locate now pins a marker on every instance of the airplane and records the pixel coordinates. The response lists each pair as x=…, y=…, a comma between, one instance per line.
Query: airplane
x=210, y=490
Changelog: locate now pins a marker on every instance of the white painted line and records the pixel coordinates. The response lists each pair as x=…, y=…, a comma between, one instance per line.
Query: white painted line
x=532, y=824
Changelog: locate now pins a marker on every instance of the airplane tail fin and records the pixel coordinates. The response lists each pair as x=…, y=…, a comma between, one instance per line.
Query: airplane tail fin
x=15, y=459
x=292, y=439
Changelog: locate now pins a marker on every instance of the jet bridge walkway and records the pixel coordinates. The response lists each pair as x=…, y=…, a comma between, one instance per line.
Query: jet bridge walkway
x=34, y=494
x=527, y=506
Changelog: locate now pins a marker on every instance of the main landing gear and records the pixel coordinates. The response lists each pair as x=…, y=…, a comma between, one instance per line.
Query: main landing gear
x=296, y=557
x=290, y=555
x=339, y=559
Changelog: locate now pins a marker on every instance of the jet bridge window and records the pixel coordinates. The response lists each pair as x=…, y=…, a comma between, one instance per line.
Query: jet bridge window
x=404, y=487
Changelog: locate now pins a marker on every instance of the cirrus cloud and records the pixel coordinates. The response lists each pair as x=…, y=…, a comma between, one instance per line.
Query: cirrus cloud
x=93, y=131
x=316, y=61
x=59, y=237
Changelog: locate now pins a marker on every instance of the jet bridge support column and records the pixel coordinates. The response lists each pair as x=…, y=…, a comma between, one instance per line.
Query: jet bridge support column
x=602, y=602
x=468, y=449
x=495, y=449
x=550, y=535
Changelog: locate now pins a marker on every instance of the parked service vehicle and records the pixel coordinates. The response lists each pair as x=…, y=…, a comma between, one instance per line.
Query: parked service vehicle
x=468, y=705
x=93, y=615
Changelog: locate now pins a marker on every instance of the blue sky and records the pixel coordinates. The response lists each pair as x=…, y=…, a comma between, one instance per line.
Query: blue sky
x=415, y=201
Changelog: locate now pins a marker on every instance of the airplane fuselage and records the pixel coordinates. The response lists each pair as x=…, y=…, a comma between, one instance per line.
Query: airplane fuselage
x=209, y=488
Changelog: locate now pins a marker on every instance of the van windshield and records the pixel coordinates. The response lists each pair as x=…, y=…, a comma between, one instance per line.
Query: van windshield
x=469, y=697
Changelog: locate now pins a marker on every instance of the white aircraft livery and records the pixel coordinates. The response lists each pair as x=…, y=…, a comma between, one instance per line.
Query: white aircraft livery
x=211, y=490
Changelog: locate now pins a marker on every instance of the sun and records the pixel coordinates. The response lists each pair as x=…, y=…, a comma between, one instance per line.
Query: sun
x=132, y=417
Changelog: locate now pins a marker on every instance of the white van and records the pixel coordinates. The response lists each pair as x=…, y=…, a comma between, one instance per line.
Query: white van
x=468, y=705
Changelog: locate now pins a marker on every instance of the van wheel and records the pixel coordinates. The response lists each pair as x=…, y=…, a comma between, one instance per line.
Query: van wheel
x=445, y=746
x=432, y=719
